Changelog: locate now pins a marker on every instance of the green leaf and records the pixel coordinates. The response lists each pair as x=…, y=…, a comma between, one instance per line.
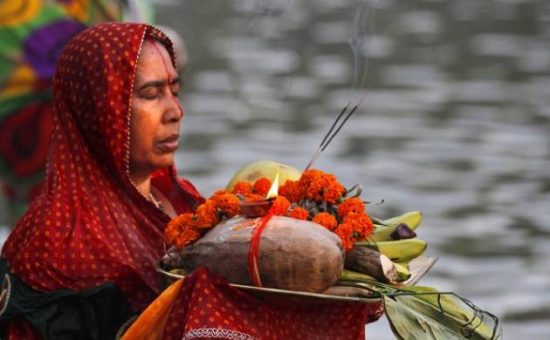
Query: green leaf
x=424, y=313
x=407, y=322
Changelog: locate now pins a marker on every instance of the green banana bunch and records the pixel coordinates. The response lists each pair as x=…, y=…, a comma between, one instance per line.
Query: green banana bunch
x=386, y=240
x=385, y=228
x=415, y=311
x=394, y=239
x=410, y=218
x=399, y=250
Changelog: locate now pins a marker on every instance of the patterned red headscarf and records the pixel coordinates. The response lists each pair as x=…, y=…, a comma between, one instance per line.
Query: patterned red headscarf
x=91, y=225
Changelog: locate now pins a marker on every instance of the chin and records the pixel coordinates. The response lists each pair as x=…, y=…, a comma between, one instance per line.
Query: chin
x=164, y=162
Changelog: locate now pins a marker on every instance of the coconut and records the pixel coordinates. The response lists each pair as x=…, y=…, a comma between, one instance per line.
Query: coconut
x=293, y=254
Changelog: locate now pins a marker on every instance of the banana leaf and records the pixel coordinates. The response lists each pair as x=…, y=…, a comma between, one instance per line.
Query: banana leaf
x=425, y=313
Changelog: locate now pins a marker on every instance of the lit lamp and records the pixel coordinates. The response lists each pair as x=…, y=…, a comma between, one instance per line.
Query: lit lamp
x=260, y=208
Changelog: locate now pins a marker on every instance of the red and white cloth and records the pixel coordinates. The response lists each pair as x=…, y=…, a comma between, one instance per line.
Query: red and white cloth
x=91, y=225
x=206, y=307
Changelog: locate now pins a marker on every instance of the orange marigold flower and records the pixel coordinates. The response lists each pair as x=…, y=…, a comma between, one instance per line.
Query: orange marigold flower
x=345, y=232
x=315, y=190
x=226, y=202
x=291, y=190
x=326, y=220
x=280, y=206
x=309, y=183
x=187, y=236
x=254, y=197
x=176, y=226
x=206, y=215
x=243, y=188
x=319, y=186
x=361, y=223
x=298, y=213
x=310, y=176
x=262, y=186
x=350, y=205
x=332, y=190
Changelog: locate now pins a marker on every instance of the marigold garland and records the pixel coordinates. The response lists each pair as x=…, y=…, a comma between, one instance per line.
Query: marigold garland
x=344, y=216
x=354, y=204
x=298, y=213
x=291, y=190
x=206, y=215
x=326, y=220
x=227, y=203
x=261, y=186
x=243, y=188
x=320, y=187
x=280, y=206
x=254, y=198
x=361, y=223
x=345, y=232
x=181, y=231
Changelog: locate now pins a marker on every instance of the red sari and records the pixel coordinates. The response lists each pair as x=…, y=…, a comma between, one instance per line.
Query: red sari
x=91, y=225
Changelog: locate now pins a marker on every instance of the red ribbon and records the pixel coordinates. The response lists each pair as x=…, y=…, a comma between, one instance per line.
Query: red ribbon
x=253, y=250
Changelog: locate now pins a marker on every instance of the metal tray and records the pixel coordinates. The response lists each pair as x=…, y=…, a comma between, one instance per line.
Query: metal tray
x=274, y=295
x=419, y=267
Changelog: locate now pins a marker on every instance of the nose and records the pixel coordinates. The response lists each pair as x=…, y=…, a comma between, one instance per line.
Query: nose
x=174, y=110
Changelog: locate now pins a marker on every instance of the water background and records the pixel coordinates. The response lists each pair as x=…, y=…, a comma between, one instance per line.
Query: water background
x=456, y=123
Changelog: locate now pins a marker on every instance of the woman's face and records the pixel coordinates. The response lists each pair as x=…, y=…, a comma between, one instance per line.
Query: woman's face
x=155, y=111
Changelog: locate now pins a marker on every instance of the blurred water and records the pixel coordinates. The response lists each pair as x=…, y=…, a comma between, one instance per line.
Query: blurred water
x=456, y=122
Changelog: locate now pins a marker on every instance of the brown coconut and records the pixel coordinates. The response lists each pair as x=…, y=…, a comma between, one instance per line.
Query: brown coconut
x=294, y=254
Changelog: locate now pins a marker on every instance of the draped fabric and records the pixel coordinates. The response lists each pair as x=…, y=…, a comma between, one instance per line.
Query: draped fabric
x=204, y=306
x=94, y=314
x=91, y=225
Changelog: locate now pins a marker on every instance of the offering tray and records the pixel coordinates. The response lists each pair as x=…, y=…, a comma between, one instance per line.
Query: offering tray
x=341, y=293
x=274, y=295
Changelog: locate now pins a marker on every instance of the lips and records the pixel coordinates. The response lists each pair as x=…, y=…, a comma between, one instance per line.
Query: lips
x=169, y=144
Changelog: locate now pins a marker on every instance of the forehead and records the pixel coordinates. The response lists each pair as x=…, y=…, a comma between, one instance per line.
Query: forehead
x=154, y=61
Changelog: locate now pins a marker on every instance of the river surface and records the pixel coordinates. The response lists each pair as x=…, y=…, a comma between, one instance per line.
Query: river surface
x=456, y=123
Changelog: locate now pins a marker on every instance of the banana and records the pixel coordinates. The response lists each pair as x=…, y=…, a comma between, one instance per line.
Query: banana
x=353, y=276
x=411, y=218
x=403, y=271
x=384, y=228
x=253, y=171
x=384, y=233
x=399, y=250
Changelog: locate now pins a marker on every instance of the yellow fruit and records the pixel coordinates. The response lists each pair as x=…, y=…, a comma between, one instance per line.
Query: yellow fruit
x=403, y=272
x=383, y=232
x=399, y=250
x=411, y=218
x=253, y=171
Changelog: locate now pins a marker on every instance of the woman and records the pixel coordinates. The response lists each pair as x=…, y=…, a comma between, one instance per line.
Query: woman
x=110, y=188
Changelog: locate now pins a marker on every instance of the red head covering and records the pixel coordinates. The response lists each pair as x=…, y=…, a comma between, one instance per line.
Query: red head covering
x=91, y=225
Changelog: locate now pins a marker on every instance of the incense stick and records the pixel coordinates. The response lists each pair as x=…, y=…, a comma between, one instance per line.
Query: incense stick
x=339, y=128
x=329, y=136
x=317, y=152
x=334, y=124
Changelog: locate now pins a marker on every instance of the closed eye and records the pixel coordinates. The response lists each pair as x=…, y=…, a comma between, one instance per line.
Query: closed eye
x=153, y=89
x=175, y=86
x=150, y=92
